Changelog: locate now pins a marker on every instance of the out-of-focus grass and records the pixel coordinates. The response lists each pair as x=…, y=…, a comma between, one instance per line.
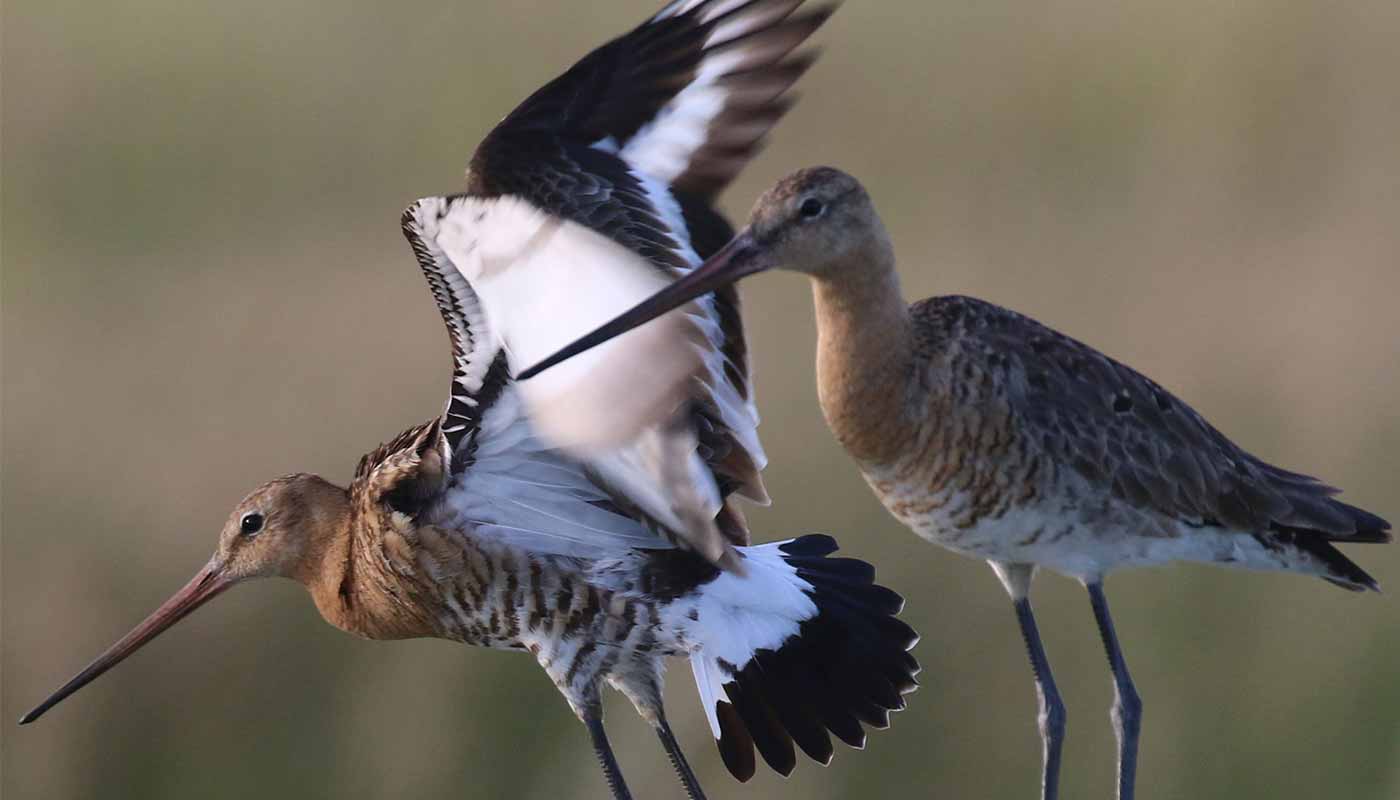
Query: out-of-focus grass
x=204, y=286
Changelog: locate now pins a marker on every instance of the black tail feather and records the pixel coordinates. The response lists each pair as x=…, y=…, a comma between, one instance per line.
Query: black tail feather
x=800, y=719
x=1357, y=526
x=766, y=731
x=847, y=665
x=735, y=744
x=1341, y=570
x=1345, y=572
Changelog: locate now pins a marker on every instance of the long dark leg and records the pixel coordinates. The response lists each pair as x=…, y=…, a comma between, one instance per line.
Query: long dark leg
x=683, y=770
x=1052, y=710
x=606, y=758
x=1127, y=706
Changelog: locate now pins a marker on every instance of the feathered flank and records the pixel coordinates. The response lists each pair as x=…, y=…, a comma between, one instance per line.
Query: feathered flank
x=1119, y=429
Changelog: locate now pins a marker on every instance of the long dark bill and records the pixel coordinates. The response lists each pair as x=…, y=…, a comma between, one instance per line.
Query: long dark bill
x=206, y=585
x=740, y=257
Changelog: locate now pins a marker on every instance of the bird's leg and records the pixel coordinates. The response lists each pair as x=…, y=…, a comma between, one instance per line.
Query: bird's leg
x=683, y=770
x=1052, y=710
x=1017, y=580
x=606, y=759
x=1127, y=706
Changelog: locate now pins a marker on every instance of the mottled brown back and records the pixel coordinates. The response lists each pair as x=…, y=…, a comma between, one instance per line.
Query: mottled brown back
x=1120, y=429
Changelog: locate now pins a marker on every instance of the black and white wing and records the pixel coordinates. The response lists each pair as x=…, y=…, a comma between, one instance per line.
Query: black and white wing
x=586, y=199
x=635, y=141
x=479, y=371
x=508, y=481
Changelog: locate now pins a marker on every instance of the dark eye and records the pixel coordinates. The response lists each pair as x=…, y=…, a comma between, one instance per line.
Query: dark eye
x=251, y=524
x=812, y=208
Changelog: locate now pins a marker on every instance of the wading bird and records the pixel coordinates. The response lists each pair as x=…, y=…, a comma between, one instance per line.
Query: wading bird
x=560, y=536
x=1001, y=439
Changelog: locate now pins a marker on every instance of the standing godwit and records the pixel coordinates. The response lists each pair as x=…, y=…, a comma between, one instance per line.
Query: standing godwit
x=601, y=548
x=1001, y=439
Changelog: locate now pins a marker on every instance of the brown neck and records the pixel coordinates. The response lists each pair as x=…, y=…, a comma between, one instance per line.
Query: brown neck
x=324, y=569
x=358, y=573
x=865, y=352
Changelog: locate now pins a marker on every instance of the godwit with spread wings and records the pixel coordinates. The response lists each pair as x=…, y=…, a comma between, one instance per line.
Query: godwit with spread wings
x=554, y=532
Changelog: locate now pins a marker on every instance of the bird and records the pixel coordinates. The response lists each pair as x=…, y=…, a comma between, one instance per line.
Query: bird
x=526, y=520
x=1001, y=439
x=800, y=645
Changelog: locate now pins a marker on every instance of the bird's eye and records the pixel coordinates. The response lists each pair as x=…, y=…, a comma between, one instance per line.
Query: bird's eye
x=251, y=524
x=812, y=208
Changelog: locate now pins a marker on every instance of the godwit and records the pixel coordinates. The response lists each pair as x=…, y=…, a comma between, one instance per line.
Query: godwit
x=999, y=438
x=801, y=644
x=597, y=547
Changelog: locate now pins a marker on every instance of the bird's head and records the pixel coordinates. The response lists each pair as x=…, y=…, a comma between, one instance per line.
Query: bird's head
x=813, y=222
x=277, y=530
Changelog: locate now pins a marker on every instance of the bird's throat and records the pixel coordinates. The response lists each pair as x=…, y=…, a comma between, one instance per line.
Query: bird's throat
x=865, y=358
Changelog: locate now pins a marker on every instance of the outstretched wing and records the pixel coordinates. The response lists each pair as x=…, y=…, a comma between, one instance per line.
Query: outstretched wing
x=684, y=99
x=507, y=480
x=635, y=140
x=479, y=371
x=508, y=282
x=585, y=199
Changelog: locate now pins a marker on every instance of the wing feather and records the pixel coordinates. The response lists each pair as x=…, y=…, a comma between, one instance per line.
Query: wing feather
x=473, y=353
x=1122, y=430
x=605, y=423
x=523, y=491
x=630, y=144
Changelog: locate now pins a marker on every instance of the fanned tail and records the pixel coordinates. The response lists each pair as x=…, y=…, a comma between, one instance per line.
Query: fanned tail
x=803, y=647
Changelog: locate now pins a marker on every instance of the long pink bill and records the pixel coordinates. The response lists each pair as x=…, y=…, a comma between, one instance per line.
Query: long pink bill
x=735, y=260
x=207, y=584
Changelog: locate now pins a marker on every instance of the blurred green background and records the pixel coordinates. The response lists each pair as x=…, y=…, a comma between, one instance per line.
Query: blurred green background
x=204, y=286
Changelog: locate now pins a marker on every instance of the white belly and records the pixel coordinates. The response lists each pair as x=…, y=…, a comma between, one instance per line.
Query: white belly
x=1074, y=530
